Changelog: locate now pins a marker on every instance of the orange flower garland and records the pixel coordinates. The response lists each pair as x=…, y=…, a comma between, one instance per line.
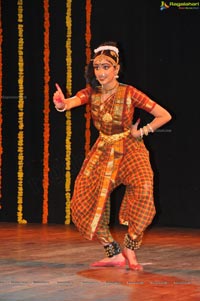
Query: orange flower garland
x=46, y=113
x=68, y=113
x=1, y=146
x=46, y=135
x=88, y=10
x=20, y=146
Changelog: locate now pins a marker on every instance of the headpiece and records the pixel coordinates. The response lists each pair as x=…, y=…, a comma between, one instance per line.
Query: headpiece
x=112, y=55
x=107, y=47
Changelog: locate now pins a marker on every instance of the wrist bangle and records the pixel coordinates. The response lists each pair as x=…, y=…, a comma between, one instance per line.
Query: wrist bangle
x=60, y=110
x=149, y=127
x=141, y=133
x=145, y=129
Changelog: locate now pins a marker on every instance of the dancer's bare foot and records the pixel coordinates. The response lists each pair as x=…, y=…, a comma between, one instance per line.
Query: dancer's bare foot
x=117, y=260
x=132, y=260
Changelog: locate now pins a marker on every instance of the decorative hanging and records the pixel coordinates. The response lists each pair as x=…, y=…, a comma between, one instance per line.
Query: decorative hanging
x=68, y=113
x=46, y=107
x=88, y=10
x=46, y=113
x=20, y=140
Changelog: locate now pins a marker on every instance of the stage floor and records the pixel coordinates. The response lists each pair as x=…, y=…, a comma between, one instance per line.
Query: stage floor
x=52, y=263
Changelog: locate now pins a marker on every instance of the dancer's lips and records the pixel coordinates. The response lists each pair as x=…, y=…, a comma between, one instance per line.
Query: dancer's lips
x=102, y=78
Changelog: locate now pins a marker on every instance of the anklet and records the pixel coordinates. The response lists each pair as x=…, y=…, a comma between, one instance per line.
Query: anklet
x=112, y=249
x=132, y=244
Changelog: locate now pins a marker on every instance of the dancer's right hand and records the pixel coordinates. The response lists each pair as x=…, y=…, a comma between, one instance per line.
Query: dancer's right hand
x=59, y=98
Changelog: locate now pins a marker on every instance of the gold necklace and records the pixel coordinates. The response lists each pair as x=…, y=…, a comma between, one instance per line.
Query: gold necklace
x=108, y=90
x=107, y=117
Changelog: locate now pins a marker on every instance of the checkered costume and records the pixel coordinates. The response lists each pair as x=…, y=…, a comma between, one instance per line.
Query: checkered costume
x=115, y=158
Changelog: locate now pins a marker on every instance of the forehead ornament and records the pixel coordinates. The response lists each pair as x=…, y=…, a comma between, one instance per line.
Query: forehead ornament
x=102, y=57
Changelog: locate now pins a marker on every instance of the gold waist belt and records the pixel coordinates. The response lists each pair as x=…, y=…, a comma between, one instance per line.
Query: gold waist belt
x=115, y=137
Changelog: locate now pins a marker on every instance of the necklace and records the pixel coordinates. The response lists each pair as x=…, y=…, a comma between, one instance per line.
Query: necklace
x=108, y=90
x=105, y=98
x=107, y=117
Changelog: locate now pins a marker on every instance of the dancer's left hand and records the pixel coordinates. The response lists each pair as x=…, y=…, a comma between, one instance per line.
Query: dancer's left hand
x=134, y=129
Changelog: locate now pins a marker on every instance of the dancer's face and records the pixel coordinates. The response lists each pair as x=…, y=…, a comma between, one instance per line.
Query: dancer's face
x=105, y=71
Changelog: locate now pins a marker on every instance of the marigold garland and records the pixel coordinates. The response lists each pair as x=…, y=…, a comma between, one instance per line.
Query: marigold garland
x=68, y=113
x=46, y=113
x=20, y=146
x=1, y=118
x=88, y=10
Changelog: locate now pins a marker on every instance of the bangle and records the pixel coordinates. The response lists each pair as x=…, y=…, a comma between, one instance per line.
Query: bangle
x=145, y=129
x=150, y=128
x=141, y=133
x=61, y=110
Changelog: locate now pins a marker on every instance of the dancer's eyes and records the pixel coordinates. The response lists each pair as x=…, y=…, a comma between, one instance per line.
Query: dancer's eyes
x=102, y=66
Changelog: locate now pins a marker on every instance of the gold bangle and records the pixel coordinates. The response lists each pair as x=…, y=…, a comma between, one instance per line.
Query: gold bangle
x=145, y=129
x=141, y=133
x=149, y=127
x=61, y=110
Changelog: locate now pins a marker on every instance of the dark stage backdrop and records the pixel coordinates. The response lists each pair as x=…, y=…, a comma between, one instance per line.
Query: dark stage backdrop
x=160, y=46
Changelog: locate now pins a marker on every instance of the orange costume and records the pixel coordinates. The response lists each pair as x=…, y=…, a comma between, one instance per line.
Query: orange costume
x=115, y=158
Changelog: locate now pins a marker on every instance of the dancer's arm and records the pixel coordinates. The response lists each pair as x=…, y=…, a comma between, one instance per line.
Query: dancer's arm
x=61, y=103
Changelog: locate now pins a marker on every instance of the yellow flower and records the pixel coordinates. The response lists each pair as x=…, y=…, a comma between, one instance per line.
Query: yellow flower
x=20, y=149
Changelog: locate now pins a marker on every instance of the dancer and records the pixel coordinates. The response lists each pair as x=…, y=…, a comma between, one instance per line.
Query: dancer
x=119, y=156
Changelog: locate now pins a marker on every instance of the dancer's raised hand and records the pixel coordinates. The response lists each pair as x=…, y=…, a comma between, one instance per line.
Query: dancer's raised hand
x=59, y=98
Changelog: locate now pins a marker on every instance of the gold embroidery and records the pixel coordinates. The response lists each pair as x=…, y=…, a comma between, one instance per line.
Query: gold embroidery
x=107, y=117
x=97, y=124
x=115, y=137
x=128, y=102
x=118, y=111
x=149, y=104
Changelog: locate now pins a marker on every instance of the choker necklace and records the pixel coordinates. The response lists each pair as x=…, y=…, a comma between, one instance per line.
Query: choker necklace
x=108, y=90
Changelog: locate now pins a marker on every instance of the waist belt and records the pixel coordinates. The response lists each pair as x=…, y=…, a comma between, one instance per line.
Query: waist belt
x=114, y=137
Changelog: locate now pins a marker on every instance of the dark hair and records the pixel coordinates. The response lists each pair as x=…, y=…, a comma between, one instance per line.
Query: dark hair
x=89, y=72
